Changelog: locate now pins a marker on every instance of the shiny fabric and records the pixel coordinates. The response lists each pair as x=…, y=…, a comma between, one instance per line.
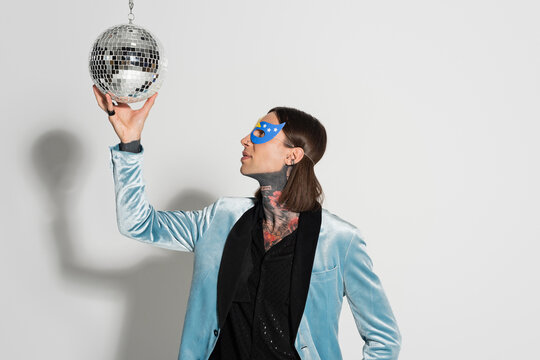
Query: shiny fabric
x=341, y=268
x=257, y=325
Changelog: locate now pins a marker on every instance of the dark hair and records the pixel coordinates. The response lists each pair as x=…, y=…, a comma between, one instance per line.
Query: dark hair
x=302, y=192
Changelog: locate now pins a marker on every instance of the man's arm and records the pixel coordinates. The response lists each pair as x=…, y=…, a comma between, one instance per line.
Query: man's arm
x=372, y=313
x=136, y=217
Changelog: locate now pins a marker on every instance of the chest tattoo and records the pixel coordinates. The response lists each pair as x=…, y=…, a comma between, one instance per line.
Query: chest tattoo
x=284, y=229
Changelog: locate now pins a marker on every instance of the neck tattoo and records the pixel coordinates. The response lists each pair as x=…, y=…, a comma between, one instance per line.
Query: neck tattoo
x=279, y=222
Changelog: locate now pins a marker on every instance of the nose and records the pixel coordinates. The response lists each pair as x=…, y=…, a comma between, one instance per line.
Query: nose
x=245, y=140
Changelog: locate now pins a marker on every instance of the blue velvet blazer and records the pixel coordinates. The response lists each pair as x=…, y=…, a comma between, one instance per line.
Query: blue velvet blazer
x=330, y=262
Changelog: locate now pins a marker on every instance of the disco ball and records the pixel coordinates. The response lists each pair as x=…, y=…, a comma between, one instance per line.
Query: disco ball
x=128, y=61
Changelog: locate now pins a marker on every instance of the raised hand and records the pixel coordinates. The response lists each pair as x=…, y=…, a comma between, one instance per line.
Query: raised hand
x=127, y=123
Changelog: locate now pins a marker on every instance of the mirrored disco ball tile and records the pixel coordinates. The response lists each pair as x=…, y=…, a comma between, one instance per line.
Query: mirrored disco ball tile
x=128, y=61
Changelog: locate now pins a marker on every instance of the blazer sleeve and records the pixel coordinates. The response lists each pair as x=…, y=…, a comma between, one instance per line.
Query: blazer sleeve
x=137, y=219
x=369, y=305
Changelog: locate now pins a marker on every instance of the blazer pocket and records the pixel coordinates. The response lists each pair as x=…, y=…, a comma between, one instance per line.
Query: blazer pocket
x=324, y=275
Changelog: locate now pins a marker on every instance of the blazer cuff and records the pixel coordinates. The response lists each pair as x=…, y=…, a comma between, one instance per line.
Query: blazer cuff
x=124, y=158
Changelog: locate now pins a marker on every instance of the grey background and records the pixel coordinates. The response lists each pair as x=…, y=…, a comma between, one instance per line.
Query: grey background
x=431, y=110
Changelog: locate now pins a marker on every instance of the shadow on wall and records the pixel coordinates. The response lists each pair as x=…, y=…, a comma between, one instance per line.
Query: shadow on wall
x=155, y=290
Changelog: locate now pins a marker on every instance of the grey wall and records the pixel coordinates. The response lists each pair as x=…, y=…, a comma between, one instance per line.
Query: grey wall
x=432, y=115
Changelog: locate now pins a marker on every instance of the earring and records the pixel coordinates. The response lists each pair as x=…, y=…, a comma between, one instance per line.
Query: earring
x=292, y=162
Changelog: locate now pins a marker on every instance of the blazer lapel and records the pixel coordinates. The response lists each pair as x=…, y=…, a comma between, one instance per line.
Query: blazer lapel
x=309, y=225
x=236, y=245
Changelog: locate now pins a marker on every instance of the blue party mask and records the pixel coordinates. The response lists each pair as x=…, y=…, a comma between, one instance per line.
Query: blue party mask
x=265, y=131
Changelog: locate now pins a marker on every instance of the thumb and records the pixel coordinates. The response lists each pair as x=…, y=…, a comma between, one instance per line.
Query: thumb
x=149, y=103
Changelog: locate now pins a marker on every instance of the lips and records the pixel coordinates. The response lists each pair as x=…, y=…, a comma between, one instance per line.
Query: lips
x=245, y=156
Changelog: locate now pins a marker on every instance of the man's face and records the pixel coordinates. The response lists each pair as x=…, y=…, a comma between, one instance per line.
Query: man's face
x=268, y=156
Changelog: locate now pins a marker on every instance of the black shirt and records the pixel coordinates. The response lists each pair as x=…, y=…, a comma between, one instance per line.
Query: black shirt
x=257, y=326
x=133, y=146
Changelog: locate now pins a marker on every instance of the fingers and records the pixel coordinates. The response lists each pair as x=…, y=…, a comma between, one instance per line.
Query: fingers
x=104, y=100
x=109, y=102
x=99, y=97
x=149, y=103
x=110, y=106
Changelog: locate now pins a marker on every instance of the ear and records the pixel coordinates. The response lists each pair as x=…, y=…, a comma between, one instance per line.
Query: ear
x=295, y=154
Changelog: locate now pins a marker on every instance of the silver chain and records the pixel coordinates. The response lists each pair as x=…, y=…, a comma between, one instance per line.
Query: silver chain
x=130, y=15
